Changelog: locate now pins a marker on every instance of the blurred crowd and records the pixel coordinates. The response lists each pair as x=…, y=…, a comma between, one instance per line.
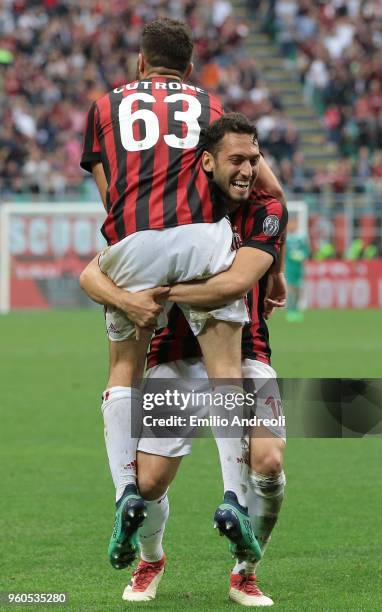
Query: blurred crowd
x=336, y=46
x=57, y=56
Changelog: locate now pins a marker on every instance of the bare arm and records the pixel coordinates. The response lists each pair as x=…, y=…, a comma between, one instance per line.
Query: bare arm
x=142, y=308
x=101, y=182
x=276, y=294
x=277, y=286
x=249, y=266
x=280, y=263
x=99, y=287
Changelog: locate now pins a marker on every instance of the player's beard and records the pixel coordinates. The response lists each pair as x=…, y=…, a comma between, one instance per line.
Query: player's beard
x=230, y=205
x=224, y=200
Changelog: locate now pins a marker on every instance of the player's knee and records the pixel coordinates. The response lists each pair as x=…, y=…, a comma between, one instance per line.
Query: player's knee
x=152, y=486
x=269, y=463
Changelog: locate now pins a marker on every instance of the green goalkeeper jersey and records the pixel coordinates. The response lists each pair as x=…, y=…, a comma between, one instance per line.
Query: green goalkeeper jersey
x=297, y=250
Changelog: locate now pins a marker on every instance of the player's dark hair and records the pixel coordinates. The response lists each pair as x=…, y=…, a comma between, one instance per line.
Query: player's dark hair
x=167, y=43
x=228, y=123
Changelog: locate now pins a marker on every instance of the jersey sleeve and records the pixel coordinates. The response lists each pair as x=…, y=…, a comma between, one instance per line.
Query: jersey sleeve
x=91, y=152
x=269, y=223
x=216, y=109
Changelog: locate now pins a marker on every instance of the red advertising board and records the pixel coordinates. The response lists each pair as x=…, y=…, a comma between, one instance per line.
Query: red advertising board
x=48, y=252
x=343, y=284
x=47, y=255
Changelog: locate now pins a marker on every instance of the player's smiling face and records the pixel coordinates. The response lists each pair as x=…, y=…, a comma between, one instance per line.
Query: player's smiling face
x=235, y=165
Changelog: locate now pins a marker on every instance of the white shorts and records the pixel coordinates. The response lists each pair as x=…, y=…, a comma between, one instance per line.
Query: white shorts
x=192, y=371
x=153, y=258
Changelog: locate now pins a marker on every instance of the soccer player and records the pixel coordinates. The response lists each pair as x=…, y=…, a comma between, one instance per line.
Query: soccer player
x=142, y=144
x=174, y=354
x=297, y=251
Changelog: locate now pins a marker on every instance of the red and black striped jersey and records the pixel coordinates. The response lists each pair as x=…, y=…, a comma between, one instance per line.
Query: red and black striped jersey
x=147, y=136
x=260, y=223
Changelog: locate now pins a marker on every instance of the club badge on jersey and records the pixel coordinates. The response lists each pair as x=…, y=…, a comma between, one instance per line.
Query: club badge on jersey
x=236, y=239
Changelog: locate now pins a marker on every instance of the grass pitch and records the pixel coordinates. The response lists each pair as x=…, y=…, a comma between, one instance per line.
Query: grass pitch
x=56, y=503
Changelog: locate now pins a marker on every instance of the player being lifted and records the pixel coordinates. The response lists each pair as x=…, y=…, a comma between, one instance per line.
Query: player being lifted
x=175, y=354
x=142, y=144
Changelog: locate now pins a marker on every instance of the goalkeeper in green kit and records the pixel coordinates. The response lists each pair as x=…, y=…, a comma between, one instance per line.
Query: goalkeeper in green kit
x=297, y=251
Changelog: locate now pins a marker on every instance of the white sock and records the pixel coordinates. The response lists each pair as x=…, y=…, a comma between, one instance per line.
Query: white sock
x=152, y=530
x=244, y=567
x=119, y=405
x=232, y=451
x=265, y=497
x=240, y=567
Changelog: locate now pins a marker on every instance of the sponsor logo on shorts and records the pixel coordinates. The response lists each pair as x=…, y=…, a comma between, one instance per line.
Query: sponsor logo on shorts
x=271, y=225
x=112, y=329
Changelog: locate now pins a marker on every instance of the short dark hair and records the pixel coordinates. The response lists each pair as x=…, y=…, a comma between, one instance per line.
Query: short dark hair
x=168, y=43
x=228, y=123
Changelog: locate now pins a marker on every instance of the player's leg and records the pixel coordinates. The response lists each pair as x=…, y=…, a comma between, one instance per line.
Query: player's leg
x=130, y=264
x=122, y=408
x=158, y=461
x=122, y=413
x=266, y=480
x=220, y=342
x=299, y=306
x=218, y=331
x=155, y=473
x=265, y=496
x=158, y=457
x=293, y=312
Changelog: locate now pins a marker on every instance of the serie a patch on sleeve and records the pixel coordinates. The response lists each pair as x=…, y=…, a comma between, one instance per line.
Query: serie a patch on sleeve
x=271, y=225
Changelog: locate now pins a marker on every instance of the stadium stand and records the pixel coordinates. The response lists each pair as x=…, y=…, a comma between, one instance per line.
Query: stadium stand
x=334, y=48
x=57, y=56
x=45, y=43
x=309, y=74
x=324, y=60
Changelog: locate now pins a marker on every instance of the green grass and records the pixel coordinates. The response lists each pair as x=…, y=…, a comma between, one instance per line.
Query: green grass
x=55, y=505
x=328, y=344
